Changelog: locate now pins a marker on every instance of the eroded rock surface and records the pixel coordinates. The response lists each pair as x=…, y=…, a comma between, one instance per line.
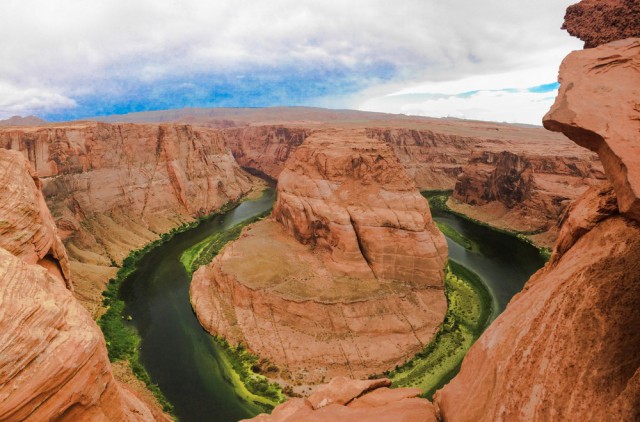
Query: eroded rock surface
x=26, y=227
x=265, y=148
x=114, y=188
x=525, y=189
x=345, y=278
x=347, y=400
x=599, y=109
x=53, y=359
x=599, y=22
x=566, y=347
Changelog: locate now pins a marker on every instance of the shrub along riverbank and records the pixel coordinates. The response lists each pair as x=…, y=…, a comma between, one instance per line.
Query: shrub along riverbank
x=438, y=200
x=469, y=306
x=122, y=339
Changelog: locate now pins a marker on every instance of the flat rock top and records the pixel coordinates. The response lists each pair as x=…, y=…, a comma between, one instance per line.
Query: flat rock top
x=266, y=257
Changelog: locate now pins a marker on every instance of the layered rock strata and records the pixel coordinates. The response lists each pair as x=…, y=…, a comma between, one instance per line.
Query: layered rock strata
x=565, y=348
x=346, y=400
x=345, y=278
x=524, y=189
x=265, y=148
x=516, y=178
x=53, y=359
x=114, y=188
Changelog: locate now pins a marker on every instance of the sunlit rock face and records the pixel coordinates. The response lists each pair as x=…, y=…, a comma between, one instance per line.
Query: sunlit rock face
x=114, y=188
x=565, y=349
x=344, y=279
x=53, y=358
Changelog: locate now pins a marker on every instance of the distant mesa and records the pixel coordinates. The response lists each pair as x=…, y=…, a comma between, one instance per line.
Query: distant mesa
x=23, y=121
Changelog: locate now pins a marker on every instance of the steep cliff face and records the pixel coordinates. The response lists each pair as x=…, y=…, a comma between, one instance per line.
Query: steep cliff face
x=598, y=22
x=26, y=227
x=265, y=148
x=526, y=191
x=113, y=188
x=433, y=160
x=53, y=359
x=565, y=349
x=346, y=278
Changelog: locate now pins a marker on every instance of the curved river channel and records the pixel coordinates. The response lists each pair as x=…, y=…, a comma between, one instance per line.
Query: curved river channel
x=185, y=361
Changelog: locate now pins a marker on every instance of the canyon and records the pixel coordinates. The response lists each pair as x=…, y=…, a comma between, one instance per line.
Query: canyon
x=516, y=178
x=368, y=259
x=565, y=347
x=345, y=277
x=53, y=356
x=114, y=188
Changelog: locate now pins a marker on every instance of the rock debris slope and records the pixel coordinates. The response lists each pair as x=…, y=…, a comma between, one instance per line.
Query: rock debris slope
x=344, y=278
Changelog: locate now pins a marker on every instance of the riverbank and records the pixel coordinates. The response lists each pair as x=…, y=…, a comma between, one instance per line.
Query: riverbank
x=122, y=339
x=469, y=307
x=439, y=199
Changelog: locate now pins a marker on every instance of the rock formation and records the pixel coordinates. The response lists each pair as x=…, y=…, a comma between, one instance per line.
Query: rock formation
x=114, y=188
x=26, y=227
x=601, y=21
x=474, y=157
x=345, y=400
x=53, y=359
x=526, y=189
x=345, y=278
x=264, y=148
x=23, y=121
x=566, y=346
x=433, y=159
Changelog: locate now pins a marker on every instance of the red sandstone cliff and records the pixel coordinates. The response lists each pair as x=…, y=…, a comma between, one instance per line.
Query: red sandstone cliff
x=264, y=148
x=526, y=188
x=53, y=359
x=114, y=188
x=346, y=278
x=566, y=347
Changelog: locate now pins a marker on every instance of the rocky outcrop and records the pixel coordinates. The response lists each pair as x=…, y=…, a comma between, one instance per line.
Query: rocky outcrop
x=345, y=278
x=346, y=400
x=53, y=359
x=586, y=113
x=525, y=189
x=265, y=148
x=565, y=347
x=114, y=188
x=26, y=227
x=599, y=22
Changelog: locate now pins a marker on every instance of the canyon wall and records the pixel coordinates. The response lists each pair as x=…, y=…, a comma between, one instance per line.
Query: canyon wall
x=512, y=177
x=114, y=188
x=344, y=279
x=264, y=148
x=53, y=359
x=525, y=188
x=566, y=346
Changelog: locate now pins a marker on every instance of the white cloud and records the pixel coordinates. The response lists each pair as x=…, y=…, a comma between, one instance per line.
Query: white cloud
x=30, y=101
x=76, y=47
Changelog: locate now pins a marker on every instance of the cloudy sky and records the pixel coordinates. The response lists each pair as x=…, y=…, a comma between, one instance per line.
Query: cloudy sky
x=489, y=60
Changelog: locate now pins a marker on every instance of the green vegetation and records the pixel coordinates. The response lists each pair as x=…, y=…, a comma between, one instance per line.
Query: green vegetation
x=122, y=339
x=203, y=252
x=457, y=237
x=245, y=370
x=469, y=308
x=438, y=201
